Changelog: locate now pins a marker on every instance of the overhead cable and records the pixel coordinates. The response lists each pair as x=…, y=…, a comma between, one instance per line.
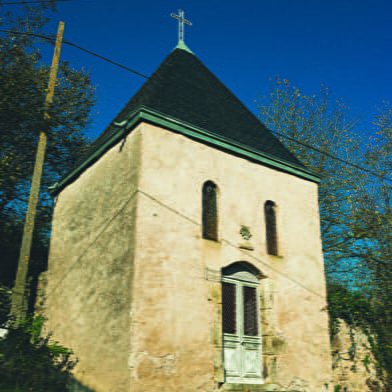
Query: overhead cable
x=146, y=77
x=53, y=39
x=36, y=1
x=333, y=157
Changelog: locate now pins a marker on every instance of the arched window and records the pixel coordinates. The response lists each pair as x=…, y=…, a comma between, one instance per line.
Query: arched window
x=209, y=214
x=270, y=227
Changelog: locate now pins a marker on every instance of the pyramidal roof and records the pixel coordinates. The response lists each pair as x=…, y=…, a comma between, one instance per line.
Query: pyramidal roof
x=183, y=90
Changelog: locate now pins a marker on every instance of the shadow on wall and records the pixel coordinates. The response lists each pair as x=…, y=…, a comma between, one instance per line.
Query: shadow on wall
x=77, y=386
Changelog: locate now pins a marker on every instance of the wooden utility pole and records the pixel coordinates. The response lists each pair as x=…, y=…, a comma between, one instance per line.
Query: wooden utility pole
x=18, y=307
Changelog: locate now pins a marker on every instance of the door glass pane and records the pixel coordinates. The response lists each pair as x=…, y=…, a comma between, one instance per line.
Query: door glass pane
x=250, y=311
x=229, y=307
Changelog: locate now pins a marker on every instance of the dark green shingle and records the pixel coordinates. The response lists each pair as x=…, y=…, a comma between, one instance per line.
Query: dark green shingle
x=183, y=88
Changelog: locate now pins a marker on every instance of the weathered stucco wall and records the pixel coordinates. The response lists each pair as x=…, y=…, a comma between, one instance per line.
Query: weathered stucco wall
x=129, y=270
x=172, y=311
x=91, y=267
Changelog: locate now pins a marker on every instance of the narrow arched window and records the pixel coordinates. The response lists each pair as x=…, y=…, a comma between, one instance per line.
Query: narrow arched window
x=270, y=226
x=210, y=215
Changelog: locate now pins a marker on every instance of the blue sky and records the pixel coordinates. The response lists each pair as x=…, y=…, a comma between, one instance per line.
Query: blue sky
x=344, y=45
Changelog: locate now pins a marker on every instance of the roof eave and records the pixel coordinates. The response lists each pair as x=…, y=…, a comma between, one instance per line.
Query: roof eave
x=160, y=119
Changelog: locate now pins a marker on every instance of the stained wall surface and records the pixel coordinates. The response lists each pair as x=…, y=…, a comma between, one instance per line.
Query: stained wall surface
x=91, y=264
x=173, y=311
x=136, y=306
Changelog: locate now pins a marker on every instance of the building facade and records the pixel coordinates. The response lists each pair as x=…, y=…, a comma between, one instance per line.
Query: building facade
x=186, y=250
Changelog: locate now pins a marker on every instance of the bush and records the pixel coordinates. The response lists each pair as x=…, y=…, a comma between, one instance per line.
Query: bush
x=28, y=363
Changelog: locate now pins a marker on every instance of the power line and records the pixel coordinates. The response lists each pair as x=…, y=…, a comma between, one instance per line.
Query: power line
x=333, y=157
x=52, y=39
x=322, y=296
x=268, y=265
x=106, y=59
x=139, y=74
x=36, y=1
x=96, y=238
x=186, y=218
x=146, y=77
x=233, y=245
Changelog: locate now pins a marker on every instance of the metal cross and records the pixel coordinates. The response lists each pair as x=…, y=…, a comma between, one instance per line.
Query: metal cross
x=181, y=22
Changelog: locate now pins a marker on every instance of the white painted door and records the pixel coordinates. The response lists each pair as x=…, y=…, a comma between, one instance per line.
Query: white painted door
x=241, y=331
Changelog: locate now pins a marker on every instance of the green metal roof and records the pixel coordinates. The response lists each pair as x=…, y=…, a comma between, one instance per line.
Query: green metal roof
x=183, y=95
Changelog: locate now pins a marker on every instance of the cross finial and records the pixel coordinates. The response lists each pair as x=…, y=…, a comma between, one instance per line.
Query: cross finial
x=181, y=22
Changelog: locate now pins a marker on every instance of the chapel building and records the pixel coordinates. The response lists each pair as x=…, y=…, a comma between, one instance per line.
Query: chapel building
x=186, y=252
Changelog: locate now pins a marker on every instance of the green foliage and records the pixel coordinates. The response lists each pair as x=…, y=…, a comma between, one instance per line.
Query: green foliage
x=328, y=125
x=30, y=362
x=23, y=86
x=5, y=303
x=357, y=311
x=352, y=307
x=355, y=206
x=366, y=362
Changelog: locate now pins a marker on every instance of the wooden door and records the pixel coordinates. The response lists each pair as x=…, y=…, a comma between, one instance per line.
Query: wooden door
x=241, y=329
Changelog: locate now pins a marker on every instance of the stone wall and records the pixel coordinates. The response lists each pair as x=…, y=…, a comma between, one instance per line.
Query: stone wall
x=353, y=361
